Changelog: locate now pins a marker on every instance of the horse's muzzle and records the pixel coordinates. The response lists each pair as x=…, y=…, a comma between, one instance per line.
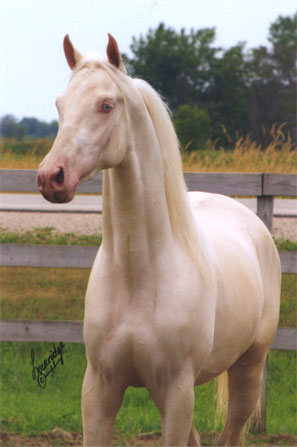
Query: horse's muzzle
x=53, y=185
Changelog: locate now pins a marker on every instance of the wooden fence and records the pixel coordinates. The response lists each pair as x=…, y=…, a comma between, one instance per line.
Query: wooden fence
x=263, y=186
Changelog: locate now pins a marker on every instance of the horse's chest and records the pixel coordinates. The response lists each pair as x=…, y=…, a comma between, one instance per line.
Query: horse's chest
x=141, y=345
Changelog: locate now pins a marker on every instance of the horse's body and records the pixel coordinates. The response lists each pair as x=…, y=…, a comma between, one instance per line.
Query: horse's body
x=175, y=297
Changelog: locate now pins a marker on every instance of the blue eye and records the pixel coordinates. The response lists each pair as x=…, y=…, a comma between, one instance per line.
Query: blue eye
x=106, y=107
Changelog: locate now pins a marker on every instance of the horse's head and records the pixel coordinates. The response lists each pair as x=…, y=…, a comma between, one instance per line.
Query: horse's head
x=92, y=133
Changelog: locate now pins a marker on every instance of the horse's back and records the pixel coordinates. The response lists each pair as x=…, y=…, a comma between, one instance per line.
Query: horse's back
x=247, y=269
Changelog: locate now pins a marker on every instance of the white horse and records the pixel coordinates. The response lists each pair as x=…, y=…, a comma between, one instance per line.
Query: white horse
x=180, y=290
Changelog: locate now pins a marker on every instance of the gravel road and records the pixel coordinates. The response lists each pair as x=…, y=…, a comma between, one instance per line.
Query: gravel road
x=283, y=227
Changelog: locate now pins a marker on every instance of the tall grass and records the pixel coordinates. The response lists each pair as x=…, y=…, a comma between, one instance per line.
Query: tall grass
x=247, y=156
x=280, y=155
x=25, y=154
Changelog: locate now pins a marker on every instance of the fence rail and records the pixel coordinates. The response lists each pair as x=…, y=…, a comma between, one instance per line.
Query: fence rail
x=67, y=256
x=72, y=332
x=18, y=180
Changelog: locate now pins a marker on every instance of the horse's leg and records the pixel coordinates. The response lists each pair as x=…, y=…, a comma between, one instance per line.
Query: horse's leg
x=100, y=404
x=245, y=379
x=194, y=438
x=176, y=404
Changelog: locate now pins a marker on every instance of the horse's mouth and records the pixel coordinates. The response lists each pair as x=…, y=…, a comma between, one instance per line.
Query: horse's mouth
x=58, y=196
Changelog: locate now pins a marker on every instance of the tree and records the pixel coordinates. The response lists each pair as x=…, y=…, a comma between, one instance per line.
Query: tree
x=176, y=64
x=227, y=93
x=273, y=81
x=27, y=127
x=192, y=126
x=8, y=126
x=187, y=69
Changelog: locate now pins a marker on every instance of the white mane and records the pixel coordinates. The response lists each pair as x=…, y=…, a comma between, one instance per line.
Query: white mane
x=183, y=225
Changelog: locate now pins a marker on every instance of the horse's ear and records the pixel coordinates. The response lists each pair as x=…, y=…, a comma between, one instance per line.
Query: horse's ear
x=72, y=55
x=113, y=54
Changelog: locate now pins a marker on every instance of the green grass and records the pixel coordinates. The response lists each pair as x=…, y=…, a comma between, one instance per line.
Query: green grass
x=43, y=293
x=48, y=236
x=285, y=244
x=26, y=408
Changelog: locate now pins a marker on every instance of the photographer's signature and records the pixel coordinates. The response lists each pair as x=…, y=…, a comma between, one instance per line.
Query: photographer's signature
x=40, y=372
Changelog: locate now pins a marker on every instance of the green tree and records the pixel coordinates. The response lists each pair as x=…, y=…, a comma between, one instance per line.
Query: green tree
x=192, y=126
x=35, y=128
x=8, y=126
x=272, y=92
x=176, y=64
x=226, y=98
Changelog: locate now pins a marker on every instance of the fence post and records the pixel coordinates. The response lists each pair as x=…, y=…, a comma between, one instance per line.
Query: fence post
x=265, y=210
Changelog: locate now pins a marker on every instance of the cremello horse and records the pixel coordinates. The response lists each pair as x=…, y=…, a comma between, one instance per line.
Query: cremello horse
x=180, y=290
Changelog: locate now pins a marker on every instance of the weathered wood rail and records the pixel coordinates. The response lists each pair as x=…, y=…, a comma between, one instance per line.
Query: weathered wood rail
x=67, y=256
x=263, y=186
x=72, y=332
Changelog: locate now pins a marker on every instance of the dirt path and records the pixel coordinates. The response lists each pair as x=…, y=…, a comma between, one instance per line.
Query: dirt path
x=60, y=438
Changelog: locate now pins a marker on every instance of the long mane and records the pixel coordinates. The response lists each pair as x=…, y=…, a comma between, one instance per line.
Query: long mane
x=182, y=221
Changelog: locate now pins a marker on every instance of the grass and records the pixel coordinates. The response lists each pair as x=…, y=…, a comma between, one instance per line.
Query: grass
x=26, y=154
x=279, y=156
x=48, y=236
x=28, y=409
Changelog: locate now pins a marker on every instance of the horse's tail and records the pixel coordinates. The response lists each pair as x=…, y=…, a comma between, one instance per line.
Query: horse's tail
x=222, y=403
x=221, y=399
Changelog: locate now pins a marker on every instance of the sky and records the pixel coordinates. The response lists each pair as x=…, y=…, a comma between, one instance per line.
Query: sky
x=33, y=69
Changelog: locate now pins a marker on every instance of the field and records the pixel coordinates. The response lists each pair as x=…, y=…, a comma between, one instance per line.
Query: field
x=280, y=155
x=58, y=294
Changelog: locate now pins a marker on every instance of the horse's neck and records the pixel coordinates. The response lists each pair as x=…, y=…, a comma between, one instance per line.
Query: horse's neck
x=136, y=224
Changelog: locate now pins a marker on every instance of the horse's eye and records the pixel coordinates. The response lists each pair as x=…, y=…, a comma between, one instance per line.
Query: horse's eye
x=106, y=107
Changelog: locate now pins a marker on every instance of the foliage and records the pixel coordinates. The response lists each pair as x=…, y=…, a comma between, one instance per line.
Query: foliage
x=273, y=79
x=241, y=91
x=27, y=127
x=176, y=64
x=192, y=126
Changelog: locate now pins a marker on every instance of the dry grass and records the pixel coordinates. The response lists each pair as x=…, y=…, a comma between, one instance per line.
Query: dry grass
x=11, y=161
x=279, y=156
x=25, y=154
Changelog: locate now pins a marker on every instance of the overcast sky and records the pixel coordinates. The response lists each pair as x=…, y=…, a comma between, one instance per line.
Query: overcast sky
x=33, y=70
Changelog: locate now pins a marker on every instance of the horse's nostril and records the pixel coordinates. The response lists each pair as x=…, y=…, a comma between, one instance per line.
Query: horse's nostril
x=38, y=181
x=59, y=177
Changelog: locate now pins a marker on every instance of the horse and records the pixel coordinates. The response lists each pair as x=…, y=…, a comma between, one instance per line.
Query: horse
x=184, y=287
